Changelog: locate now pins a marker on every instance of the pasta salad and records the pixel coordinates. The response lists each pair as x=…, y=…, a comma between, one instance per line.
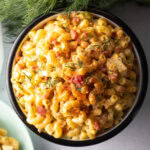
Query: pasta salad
x=76, y=76
x=7, y=143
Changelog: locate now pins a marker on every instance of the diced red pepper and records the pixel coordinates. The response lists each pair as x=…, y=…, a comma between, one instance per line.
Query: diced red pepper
x=21, y=66
x=113, y=77
x=41, y=110
x=117, y=49
x=67, y=86
x=92, y=51
x=73, y=47
x=17, y=58
x=46, y=95
x=55, y=93
x=65, y=130
x=76, y=19
x=102, y=119
x=46, y=78
x=18, y=95
x=78, y=40
x=54, y=42
x=74, y=34
x=96, y=126
x=78, y=80
x=35, y=67
x=121, y=89
x=86, y=34
x=103, y=69
x=91, y=80
x=107, y=53
x=57, y=54
x=113, y=34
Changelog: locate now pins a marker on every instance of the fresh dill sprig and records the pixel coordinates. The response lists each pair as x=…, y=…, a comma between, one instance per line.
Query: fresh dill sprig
x=76, y=5
x=53, y=68
x=70, y=65
x=12, y=14
x=87, y=80
x=93, y=47
x=16, y=14
x=106, y=43
x=29, y=78
x=51, y=82
x=80, y=63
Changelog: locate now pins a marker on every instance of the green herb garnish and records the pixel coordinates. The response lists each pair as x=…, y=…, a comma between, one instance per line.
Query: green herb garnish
x=93, y=47
x=116, y=41
x=51, y=82
x=77, y=88
x=24, y=11
x=98, y=77
x=29, y=78
x=52, y=68
x=80, y=63
x=20, y=87
x=85, y=38
x=71, y=66
x=105, y=44
x=87, y=80
x=88, y=16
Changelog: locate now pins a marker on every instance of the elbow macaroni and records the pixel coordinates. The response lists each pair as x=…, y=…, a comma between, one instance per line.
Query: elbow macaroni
x=7, y=142
x=75, y=76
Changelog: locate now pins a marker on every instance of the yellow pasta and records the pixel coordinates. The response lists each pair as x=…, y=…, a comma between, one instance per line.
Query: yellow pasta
x=7, y=142
x=75, y=77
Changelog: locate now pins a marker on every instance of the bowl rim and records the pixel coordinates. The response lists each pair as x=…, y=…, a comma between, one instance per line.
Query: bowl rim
x=129, y=116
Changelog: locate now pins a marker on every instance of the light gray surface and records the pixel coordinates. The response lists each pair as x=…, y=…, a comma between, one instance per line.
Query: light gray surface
x=1, y=48
x=137, y=135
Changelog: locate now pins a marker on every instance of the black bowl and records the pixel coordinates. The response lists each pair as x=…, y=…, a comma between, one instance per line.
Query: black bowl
x=143, y=81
